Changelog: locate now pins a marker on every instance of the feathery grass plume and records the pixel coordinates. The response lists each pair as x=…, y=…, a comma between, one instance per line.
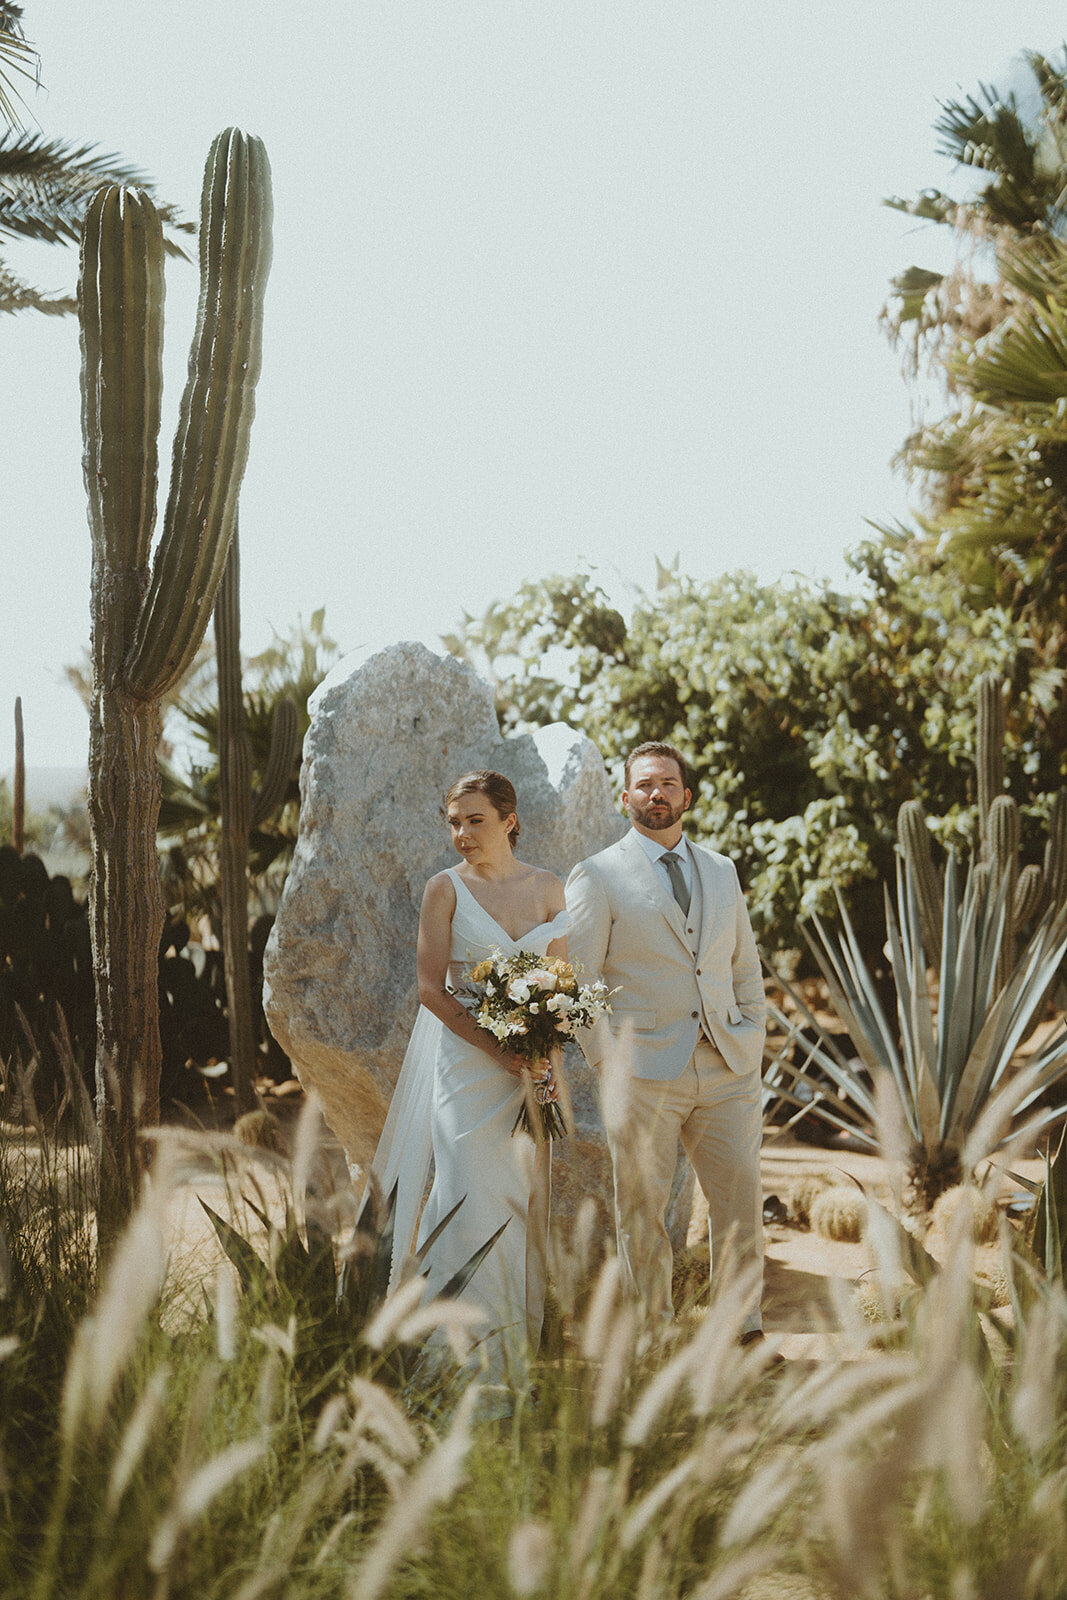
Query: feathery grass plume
x=130, y=1291
x=530, y=1548
x=601, y=1312
x=378, y=1416
x=146, y=1415
x=405, y=1299
x=759, y=1501
x=710, y=1364
x=261, y=1130
x=570, y=1256
x=1037, y=1378
x=197, y=1493
x=433, y=1481
x=225, y=1312
x=599, y=1494
x=840, y=1214
x=734, y=1577
x=458, y=1321
x=615, y=1366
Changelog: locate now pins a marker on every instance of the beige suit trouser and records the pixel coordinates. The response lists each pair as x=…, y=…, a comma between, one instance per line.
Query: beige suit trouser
x=718, y=1116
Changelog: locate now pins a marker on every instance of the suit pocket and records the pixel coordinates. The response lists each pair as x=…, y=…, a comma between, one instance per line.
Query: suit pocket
x=734, y=1015
x=640, y=1021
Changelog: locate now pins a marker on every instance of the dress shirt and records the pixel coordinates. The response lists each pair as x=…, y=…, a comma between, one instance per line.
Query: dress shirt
x=654, y=851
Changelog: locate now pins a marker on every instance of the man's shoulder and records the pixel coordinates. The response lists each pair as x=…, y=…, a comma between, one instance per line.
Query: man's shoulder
x=714, y=861
x=606, y=857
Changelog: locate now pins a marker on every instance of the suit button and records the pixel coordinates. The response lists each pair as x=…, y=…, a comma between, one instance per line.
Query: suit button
x=694, y=1015
x=698, y=972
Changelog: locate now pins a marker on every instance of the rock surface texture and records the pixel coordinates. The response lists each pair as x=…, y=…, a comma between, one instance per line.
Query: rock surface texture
x=386, y=740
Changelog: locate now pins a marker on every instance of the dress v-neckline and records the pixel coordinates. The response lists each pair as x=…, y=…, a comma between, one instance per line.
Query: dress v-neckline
x=453, y=873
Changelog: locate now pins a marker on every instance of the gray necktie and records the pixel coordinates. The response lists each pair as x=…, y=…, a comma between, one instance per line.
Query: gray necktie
x=673, y=865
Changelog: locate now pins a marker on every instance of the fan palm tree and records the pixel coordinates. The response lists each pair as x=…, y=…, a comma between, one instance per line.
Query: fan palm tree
x=994, y=470
x=46, y=184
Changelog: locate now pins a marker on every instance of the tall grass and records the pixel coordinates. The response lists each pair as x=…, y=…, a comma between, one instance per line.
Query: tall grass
x=167, y=1440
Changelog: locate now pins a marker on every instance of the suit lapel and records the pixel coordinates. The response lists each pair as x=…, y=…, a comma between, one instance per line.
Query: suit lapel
x=655, y=884
x=705, y=870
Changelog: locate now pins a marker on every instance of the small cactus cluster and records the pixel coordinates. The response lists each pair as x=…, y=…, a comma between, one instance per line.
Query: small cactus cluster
x=1029, y=890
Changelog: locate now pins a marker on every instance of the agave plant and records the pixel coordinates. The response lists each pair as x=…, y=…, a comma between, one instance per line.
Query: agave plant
x=948, y=1052
x=335, y=1295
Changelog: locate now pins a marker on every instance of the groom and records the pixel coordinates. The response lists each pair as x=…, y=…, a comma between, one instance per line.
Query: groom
x=666, y=924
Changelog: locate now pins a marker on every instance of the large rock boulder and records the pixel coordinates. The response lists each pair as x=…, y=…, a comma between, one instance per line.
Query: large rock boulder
x=386, y=740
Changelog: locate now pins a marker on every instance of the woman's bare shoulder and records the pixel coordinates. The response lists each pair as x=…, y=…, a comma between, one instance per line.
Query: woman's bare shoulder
x=551, y=889
x=439, y=893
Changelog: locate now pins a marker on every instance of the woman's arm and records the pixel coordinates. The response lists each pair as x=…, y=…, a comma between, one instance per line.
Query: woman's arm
x=435, y=940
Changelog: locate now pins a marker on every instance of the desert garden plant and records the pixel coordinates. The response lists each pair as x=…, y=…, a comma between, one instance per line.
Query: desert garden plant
x=946, y=1057
x=182, y=1450
x=149, y=615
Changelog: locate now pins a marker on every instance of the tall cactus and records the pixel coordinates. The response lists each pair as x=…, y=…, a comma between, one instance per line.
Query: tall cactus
x=243, y=808
x=1031, y=889
x=18, y=792
x=149, y=615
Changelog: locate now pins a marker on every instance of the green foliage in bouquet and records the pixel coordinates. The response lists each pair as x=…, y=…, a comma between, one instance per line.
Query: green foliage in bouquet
x=532, y=1005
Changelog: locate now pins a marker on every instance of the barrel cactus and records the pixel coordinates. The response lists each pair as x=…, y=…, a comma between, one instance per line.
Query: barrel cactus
x=150, y=613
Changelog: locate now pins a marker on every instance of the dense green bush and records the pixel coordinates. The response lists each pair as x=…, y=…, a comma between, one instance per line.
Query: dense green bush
x=809, y=715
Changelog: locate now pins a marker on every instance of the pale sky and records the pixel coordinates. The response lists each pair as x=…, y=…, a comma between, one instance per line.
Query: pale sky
x=556, y=284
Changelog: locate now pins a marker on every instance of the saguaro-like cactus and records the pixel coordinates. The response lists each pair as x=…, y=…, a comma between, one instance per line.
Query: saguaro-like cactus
x=18, y=793
x=243, y=808
x=150, y=614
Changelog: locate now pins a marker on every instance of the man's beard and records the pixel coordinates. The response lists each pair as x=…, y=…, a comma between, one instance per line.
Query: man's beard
x=655, y=819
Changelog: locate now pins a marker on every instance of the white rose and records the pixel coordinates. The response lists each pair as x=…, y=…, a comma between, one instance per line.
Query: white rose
x=559, y=1003
x=518, y=990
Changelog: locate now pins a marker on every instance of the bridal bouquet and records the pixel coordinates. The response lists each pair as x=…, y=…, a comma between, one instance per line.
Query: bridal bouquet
x=532, y=1004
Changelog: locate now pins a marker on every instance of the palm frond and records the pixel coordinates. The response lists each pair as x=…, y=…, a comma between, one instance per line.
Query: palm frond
x=18, y=295
x=46, y=185
x=18, y=59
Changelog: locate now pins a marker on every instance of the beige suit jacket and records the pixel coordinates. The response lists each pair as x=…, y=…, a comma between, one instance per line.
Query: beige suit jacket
x=678, y=976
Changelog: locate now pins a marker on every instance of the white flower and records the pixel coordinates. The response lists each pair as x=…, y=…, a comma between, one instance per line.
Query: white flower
x=518, y=990
x=533, y=1008
x=516, y=1027
x=559, y=1003
x=542, y=979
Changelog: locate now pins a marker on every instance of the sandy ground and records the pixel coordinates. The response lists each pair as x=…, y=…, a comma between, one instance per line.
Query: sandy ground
x=806, y=1279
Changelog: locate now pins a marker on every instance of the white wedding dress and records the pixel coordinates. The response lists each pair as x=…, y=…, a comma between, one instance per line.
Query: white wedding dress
x=458, y=1104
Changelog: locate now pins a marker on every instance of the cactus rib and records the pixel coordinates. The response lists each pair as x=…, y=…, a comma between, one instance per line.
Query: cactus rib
x=211, y=443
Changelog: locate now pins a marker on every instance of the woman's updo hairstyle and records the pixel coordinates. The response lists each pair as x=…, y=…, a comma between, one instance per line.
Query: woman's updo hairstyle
x=498, y=790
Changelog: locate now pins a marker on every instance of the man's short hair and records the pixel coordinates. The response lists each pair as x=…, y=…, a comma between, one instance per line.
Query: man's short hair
x=655, y=747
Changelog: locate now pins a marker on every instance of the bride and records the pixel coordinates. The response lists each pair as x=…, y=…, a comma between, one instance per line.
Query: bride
x=459, y=1093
